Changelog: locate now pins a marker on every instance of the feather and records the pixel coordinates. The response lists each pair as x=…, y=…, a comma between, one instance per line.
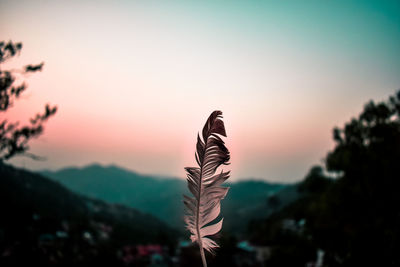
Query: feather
x=205, y=185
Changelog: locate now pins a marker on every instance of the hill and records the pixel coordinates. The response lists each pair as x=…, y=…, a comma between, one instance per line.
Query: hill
x=162, y=196
x=45, y=223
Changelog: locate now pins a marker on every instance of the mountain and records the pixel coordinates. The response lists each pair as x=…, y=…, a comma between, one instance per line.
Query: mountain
x=162, y=196
x=158, y=196
x=43, y=222
x=249, y=200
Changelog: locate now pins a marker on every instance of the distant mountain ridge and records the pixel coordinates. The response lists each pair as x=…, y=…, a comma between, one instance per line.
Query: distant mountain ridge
x=162, y=196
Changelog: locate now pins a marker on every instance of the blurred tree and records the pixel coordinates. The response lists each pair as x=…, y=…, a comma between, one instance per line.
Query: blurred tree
x=315, y=181
x=354, y=218
x=14, y=138
x=359, y=222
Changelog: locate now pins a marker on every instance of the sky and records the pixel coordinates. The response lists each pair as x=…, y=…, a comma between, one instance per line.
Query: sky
x=134, y=81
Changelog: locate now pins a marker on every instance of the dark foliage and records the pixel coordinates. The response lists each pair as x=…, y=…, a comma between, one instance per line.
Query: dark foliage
x=365, y=199
x=354, y=218
x=14, y=138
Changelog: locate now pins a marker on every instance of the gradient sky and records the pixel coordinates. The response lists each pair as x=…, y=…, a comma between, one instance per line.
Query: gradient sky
x=135, y=80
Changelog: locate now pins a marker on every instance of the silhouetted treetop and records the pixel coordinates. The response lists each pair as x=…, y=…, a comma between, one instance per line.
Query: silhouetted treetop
x=14, y=138
x=376, y=131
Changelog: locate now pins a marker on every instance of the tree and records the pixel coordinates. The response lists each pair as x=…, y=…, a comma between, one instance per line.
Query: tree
x=365, y=199
x=355, y=218
x=315, y=181
x=14, y=138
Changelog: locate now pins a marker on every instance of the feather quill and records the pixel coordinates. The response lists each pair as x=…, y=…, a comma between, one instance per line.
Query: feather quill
x=205, y=185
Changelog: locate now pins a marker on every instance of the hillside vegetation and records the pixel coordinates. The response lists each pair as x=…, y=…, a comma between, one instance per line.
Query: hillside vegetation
x=44, y=223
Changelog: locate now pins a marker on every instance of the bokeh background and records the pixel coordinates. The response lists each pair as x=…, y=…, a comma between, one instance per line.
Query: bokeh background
x=310, y=97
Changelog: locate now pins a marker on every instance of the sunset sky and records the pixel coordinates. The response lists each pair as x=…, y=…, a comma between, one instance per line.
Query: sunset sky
x=135, y=81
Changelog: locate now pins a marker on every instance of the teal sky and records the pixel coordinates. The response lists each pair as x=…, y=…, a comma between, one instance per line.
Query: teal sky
x=136, y=80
